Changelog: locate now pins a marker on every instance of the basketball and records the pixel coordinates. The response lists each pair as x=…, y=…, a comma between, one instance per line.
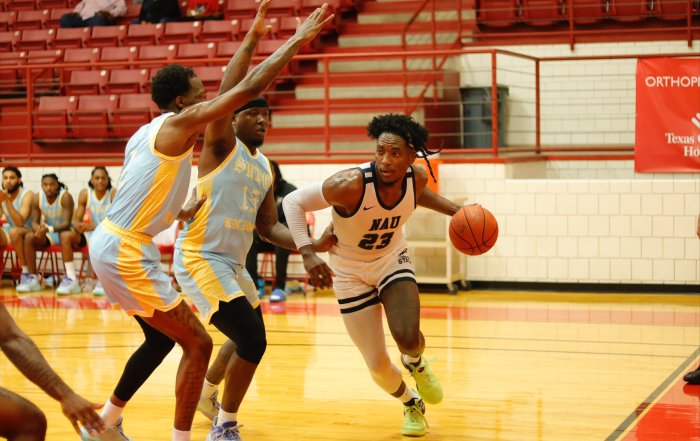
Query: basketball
x=473, y=230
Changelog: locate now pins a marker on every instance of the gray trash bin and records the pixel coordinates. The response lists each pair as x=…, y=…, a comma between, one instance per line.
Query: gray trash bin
x=476, y=116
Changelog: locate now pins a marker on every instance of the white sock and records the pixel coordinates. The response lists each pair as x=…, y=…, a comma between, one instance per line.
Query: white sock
x=111, y=413
x=181, y=435
x=408, y=359
x=225, y=417
x=208, y=389
x=25, y=270
x=70, y=270
x=407, y=395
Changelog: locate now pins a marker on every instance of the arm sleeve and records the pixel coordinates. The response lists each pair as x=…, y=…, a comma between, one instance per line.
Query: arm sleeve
x=296, y=204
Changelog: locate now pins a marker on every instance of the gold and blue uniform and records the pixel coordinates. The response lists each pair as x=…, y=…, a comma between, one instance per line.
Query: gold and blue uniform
x=52, y=214
x=152, y=190
x=97, y=208
x=9, y=223
x=210, y=251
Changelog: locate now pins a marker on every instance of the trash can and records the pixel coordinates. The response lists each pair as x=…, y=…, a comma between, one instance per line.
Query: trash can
x=476, y=116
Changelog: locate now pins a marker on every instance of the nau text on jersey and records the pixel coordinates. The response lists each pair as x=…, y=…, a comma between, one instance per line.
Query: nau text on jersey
x=385, y=223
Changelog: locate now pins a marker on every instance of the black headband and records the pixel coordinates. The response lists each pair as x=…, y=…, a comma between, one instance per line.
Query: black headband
x=255, y=102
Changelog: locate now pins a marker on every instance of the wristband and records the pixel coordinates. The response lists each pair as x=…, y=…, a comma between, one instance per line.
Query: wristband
x=50, y=228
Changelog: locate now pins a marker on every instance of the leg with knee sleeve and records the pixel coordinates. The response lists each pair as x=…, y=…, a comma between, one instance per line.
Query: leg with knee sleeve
x=20, y=419
x=244, y=326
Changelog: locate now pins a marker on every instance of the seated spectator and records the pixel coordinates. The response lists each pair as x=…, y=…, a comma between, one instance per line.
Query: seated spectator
x=15, y=208
x=204, y=10
x=92, y=207
x=158, y=11
x=52, y=211
x=90, y=13
x=281, y=188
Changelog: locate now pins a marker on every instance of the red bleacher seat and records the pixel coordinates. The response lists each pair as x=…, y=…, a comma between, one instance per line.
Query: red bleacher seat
x=133, y=10
x=267, y=47
x=674, y=9
x=71, y=38
x=143, y=34
x=105, y=36
x=44, y=79
x=55, y=15
x=498, y=12
x=8, y=40
x=51, y=117
x=287, y=27
x=50, y=4
x=125, y=54
x=156, y=52
x=21, y=5
x=181, y=32
x=226, y=49
x=590, y=11
x=274, y=23
x=542, y=12
x=82, y=55
x=134, y=110
x=10, y=80
x=92, y=118
x=31, y=19
x=283, y=8
x=35, y=39
x=127, y=81
x=629, y=10
x=220, y=30
x=7, y=20
x=210, y=76
x=196, y=50
x=240, y=9
x=87, y=82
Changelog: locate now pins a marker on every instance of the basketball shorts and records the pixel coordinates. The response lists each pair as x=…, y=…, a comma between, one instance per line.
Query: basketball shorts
x=128, y=265
x=358, y=285
x=5, y=231
x=207, y=278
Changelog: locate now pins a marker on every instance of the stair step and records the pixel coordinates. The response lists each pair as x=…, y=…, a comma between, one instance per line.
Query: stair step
x=411, y=6
x=398, y=28
x=412, y=39
x=382, y=48
x=286, y=119
x=376, y=65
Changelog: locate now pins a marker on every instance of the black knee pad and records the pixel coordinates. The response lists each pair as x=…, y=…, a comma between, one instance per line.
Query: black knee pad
x=241, y=323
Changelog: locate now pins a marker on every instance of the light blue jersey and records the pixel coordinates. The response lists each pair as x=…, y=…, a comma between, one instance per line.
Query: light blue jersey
x=97, y=208
x=17, y=203
x=210, y=251
x=52, y=214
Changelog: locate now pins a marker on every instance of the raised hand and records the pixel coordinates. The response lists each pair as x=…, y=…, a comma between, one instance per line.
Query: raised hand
x=259, y=27
x=308, y=30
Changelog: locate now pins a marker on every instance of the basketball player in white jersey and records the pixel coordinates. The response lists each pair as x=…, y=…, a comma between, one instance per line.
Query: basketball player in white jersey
x=16, y=208
x=93, y=203
x=371, y=263
x=52, y=212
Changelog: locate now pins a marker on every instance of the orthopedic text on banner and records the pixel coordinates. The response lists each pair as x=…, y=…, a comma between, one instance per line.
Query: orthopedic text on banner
x=667, y=137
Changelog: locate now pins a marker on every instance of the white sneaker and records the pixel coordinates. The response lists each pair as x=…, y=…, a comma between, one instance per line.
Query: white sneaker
x=98, y=290
x=209, y=406
x=33, y=284
x=68, y=286
x=23, y=285
x=111, y=433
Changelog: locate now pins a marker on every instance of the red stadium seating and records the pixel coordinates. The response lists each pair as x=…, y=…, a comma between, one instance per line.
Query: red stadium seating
x=133, y=10
x=287, y=27
x=10, y=79
x=181, y=32
x=92, y=119
x=629, y=10
x=220, y=30
x=240, y=9
x=7, y=20
x=127, y=81
x=124, y=54
x=210, y=76
x=51, y=4
x=267, y=47
x=673, y=9
x=226, y=49
x=156, y=52
x=134, y=110
x=44, y=79
x=247, y=23
x=283, y=8
x=87, y=82
x=542, y=12
x=196, y=50
x=498, y=12
x=35, y=39
x=83, y=55
x=143, y=34
x=105, y=36
x=31, y=19
x=55, y=15
x=8, y=40
x=590, y=11
x=71, y=38
x=51, y=117
x=21, y=5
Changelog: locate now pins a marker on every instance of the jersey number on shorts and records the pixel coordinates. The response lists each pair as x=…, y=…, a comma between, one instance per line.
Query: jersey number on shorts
x=368, y=241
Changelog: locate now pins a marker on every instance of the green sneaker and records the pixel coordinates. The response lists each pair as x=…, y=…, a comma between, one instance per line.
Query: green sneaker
x=414, y=423
x=427, y=383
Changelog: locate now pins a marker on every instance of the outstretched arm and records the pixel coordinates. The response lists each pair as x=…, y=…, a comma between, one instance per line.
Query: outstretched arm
x=428, y=198
x=220, y=132
x=191, y=119
x=24, y=354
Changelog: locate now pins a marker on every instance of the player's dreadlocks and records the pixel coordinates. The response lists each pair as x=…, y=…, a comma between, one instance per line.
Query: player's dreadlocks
x=415, y=135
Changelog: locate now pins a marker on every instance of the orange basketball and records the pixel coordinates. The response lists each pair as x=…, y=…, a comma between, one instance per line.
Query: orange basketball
x=473, y=230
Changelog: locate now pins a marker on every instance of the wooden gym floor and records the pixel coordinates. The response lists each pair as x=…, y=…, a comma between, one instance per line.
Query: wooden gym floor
x=514, y=366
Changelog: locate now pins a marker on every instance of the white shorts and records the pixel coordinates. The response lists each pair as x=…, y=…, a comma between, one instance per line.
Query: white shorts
x=358, y=285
